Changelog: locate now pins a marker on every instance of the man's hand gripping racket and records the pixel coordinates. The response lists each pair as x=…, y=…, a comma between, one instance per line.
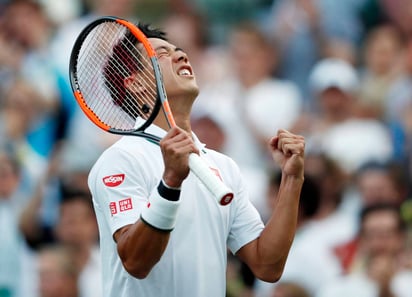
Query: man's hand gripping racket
x=106, y=53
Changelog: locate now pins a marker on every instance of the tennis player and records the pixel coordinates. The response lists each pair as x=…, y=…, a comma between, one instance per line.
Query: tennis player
x=162, y=234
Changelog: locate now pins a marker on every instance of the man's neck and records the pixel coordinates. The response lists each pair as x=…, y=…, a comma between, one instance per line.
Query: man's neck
x=181, y=114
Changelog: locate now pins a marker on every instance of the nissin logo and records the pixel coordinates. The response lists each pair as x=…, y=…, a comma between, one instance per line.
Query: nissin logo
x=113, y=180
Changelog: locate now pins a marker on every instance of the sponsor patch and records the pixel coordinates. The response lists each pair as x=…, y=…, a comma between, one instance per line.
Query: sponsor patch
x=113, y=180
x=120, y=206
x=113, y=208
x=125, y=204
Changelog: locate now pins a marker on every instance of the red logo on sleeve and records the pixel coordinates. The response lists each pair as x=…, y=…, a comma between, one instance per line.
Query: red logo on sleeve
x=113, y=208
x=113, y=180
x=125, y=204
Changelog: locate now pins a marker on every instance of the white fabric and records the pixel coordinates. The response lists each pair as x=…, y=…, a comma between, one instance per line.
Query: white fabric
x=162, y=213
x=352, y=285
x=356, y=142
x=194, y=262
x=17, y=266
x=333, y=72
x=90, y=279
x=359, y=284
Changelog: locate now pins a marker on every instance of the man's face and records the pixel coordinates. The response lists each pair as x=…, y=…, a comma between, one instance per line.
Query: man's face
x=178, y=76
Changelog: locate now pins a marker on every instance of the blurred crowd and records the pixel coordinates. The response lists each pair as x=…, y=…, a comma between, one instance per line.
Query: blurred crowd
x=337, y=72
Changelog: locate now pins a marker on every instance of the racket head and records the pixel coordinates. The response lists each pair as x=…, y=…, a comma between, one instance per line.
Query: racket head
x=114, y=76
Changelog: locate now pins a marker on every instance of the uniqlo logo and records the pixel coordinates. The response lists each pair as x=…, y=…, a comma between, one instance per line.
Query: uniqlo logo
x=113, y=208
x=125, y=204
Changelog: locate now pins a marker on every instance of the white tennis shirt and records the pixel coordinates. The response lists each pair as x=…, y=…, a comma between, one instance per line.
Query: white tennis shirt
x=194, y=262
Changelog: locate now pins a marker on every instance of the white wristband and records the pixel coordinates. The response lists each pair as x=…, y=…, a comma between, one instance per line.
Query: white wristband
x=160, y=213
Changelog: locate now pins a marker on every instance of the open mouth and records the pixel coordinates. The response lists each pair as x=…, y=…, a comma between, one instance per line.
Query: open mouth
x=185, y=71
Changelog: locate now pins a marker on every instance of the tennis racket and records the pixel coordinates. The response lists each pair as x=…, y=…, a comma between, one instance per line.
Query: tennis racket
x=107, y=51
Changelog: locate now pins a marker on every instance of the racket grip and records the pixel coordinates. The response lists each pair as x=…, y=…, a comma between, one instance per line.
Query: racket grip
x=212, y=182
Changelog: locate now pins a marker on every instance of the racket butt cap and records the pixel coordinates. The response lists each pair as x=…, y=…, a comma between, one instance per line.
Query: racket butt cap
x=226, y=199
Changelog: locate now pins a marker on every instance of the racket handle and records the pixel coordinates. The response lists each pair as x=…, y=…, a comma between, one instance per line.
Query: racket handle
x=212, y=182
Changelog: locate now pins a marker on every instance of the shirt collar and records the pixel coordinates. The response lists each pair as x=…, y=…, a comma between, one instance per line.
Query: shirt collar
x=156, y=130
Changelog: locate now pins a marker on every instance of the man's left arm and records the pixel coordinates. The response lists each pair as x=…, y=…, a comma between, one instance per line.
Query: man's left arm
x=266, y=256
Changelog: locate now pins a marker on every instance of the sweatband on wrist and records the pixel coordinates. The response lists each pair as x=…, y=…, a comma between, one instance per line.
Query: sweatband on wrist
x=168, y=192
x=161, y=213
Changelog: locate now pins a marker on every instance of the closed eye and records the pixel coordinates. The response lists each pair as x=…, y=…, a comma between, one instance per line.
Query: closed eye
x=162, y=51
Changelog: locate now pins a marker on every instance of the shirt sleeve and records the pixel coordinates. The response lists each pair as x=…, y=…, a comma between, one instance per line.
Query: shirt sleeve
x=246, y=224
x=120, y=184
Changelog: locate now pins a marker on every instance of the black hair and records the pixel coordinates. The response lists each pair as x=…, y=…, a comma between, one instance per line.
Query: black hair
x=378, y=207
x=114, y=76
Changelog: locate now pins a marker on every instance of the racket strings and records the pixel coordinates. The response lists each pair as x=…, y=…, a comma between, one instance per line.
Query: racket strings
x=91, y=60
x=145, y=76
x=120, y=106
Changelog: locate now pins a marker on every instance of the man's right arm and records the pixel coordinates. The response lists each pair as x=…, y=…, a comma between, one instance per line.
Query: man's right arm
x=141, y=245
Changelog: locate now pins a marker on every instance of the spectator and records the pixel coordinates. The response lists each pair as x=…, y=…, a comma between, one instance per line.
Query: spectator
x=336, y=126
x=27, y=26
x=374, y=183
x=58, y=276
x=382, y=57
x=375, y=270
x=16, y=260
x=75, y=228
x=304, y=28
x=382, y=183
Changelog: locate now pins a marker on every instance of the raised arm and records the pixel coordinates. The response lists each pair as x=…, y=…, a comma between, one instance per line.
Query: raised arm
x=266, y=256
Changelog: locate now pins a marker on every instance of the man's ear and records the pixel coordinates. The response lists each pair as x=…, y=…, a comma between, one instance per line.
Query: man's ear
x=133, y=84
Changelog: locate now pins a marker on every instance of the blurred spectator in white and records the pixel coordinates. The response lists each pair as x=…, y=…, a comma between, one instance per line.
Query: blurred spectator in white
x=21, y=107
x=62, y=11
x=382, y=57
x=25, y=38
x=209, y=130
x=27, y=26
x=374, y=183
x=302, y=28
x=376, y=270
x=335, y=126
x=75, y=229
x=251, y=105
x=57, y=274
x=16, y=260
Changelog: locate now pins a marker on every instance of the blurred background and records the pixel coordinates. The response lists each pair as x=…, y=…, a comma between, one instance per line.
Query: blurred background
x=337, y=72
